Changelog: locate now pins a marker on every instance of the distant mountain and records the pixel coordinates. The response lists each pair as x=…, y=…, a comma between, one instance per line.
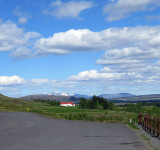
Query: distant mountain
x=116, y=98
x=51, y=97
x=140, y=98
x=116, y=95
x=81, y=95
x=65, y=98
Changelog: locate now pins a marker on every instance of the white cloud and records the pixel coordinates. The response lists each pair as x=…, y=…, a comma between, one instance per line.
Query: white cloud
x=68, y=9
x=140, y=40
x=123, y=8
x=107, y=82
x=113, y=62
x=22, y=17
x=62, y=43
x=132, y=55
x=13, y=39
x=106, y=69
x=40, y=81
x=16, y=86
x=11, y=80
x=95, y=75
x=21, y=52
x=128, y=45
x=43, y=81
x=22, y=20
x=138, y=68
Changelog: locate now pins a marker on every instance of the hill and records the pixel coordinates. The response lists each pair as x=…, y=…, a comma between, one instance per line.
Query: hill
x=116, y=95
x=3, y=97
x=81, y=96
x=141, y=98
x=52, y=97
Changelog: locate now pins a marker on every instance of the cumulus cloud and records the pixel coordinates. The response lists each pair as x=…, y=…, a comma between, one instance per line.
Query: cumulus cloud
x=16, y=86
x=140, y=40
x=132, y=56
x=143, y=66
x=62, y=43
x=13, y=39
x=123, y=8
x=68, y=9
x=101, y=76
x=11, y=80
x=134, y=43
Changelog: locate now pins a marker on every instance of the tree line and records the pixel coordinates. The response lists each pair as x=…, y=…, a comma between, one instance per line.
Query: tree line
x=95, y=103
x=51, y=103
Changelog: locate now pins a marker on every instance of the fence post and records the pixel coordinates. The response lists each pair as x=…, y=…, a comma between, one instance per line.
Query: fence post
x=144, y=122
x=140, y=118
x=154, y=123
x=150, y=127
x=158, y=120
x=147, y=123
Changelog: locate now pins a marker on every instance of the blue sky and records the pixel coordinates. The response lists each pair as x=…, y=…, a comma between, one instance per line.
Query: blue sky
x=86, y=46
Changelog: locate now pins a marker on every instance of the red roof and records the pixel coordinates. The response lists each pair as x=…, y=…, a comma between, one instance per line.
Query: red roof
x=67, y=103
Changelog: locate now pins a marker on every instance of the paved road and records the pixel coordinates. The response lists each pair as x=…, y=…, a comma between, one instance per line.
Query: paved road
x=26, y=131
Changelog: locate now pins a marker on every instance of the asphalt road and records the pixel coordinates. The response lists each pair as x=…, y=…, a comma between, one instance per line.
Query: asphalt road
x=26, y=131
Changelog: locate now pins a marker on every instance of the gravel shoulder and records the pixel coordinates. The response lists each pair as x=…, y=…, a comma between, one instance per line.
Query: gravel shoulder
x=27, y=131
x=154, y=142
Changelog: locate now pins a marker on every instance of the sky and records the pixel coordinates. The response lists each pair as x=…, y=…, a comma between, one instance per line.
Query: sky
x=79, y=46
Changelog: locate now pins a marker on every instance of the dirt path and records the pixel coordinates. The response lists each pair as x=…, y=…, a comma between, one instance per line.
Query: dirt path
x=26, y=131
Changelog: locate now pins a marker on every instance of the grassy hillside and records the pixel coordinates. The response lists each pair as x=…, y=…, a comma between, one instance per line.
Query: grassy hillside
x=15, y=104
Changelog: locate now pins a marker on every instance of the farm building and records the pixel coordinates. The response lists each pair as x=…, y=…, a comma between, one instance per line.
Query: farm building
x=67, y=104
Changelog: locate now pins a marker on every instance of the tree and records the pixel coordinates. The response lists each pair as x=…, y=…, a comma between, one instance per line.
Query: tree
x=105, y=105
x=95, y=103
x=139, y=105
x=82, y=103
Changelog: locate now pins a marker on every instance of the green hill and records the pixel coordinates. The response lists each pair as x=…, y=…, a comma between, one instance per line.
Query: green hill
x=13, y=104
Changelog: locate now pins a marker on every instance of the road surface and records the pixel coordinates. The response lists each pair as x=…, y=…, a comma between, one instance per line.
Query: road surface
x=27, y=131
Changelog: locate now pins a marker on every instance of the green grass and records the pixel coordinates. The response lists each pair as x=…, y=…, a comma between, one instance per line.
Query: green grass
x=148, y=107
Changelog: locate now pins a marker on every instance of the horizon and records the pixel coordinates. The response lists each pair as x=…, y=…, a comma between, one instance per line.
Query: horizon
x=67, y=95
x=79, y=46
